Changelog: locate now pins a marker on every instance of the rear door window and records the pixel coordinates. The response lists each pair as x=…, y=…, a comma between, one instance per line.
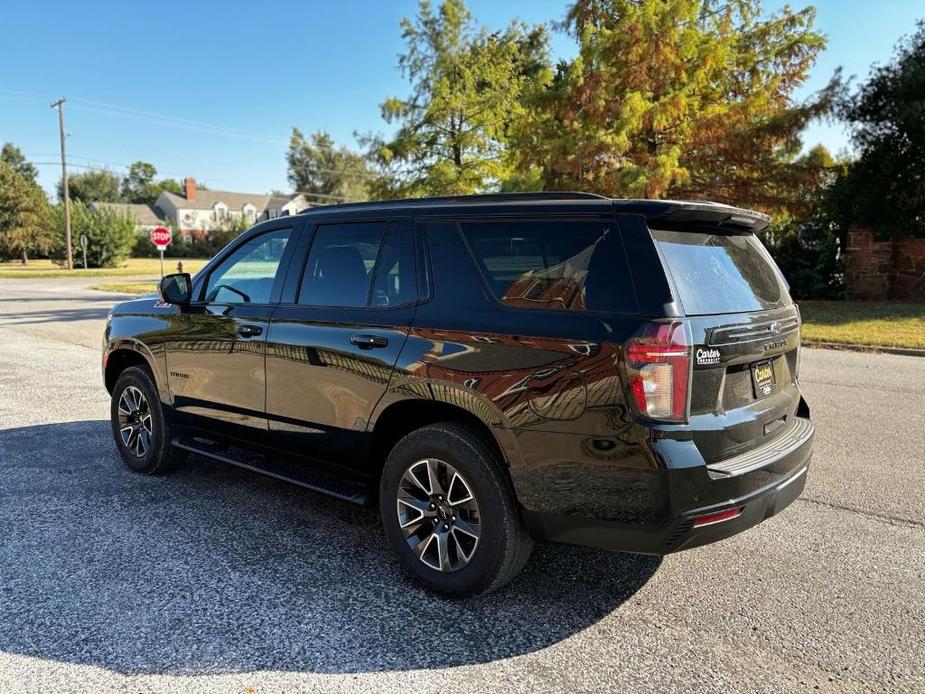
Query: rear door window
x=358, y=265
x=721, y=272
x=564, y=265
x=340, y=264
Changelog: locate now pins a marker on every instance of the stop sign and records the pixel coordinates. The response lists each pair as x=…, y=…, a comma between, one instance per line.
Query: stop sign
x=161, y=237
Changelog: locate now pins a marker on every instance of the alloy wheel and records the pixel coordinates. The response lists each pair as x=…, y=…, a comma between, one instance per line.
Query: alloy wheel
x=135, y=421
x=438, y=515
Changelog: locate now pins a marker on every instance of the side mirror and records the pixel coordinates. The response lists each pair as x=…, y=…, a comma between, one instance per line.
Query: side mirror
x=176, y=289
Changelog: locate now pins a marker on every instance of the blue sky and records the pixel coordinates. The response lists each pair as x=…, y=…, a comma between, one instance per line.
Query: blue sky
x=211, y=89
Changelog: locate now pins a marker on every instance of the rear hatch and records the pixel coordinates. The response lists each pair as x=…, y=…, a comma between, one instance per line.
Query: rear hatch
x=745, y=331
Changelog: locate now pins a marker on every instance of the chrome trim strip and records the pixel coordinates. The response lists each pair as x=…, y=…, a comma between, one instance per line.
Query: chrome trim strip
x=794, y=477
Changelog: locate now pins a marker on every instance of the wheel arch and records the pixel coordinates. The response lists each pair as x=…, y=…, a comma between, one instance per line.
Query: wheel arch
x=404, y=416
x=123, y=354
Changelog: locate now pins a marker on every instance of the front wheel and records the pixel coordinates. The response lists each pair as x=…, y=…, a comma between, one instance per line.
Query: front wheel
x=449, y=511
x=139, y=427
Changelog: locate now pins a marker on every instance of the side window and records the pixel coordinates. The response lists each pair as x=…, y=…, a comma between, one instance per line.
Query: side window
x=247, y=275
x=340, y=265
x=572, y=265
x=395, y=280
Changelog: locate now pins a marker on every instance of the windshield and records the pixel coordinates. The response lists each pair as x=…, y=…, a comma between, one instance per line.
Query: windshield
x=721, y=273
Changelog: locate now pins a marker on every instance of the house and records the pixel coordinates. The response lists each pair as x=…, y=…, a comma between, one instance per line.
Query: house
x=145, y=217
x=283, y=205
x=197, y=213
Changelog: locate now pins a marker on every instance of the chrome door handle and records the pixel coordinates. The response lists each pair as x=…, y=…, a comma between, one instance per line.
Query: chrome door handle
x=249, y=330
x=369, y=341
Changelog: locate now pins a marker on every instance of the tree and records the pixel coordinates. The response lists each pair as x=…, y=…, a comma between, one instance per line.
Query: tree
x=689, y=98
x=139, y=185
x=333, y=174
x=110, y=235
x=24, y=228
x=885, y=187
x=466, y=86
x=12, y=155
x=95, y=185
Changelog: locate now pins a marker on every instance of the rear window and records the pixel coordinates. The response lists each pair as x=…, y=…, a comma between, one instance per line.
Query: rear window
x=721, y=273
x=565, y=265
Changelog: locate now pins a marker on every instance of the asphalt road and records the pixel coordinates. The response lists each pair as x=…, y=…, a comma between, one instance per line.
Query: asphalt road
x=215, y=579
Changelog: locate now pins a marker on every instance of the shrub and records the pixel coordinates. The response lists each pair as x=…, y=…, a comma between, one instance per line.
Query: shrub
x=110, y=236
x=216, y=239
x=808, y=254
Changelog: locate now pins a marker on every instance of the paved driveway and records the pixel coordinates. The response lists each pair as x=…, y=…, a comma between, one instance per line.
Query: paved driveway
x=214, y=579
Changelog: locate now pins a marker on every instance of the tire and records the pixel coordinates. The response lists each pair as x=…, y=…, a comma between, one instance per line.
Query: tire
x=136, y=405
x=416, y=514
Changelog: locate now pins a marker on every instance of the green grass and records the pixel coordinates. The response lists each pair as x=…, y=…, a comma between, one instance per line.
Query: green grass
x=133, y=266
x=127, y=287
x=873, y=323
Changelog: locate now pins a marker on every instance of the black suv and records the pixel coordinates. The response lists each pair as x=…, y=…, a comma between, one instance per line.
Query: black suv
x=491, y=369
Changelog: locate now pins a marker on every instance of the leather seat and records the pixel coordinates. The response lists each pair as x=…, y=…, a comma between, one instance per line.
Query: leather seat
x=340, y=278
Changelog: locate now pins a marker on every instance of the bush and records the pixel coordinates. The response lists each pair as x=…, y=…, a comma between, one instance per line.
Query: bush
x=109, y=235
x=215, y=241
x=808, y=255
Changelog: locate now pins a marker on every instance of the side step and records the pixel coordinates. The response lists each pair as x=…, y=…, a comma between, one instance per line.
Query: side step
x=316, y=480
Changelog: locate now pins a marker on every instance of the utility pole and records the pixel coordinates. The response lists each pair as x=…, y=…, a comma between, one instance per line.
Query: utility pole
x=59, y=104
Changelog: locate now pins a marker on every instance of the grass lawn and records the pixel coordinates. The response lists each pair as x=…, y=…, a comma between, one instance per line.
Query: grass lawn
x=132, y=266
x=127, y=287
x=875, y=323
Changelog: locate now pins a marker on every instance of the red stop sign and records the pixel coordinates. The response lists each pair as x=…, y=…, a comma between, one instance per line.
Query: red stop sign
x=161, y=236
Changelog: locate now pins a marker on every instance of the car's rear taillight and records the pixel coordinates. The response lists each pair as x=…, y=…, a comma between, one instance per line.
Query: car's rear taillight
x=658, y=366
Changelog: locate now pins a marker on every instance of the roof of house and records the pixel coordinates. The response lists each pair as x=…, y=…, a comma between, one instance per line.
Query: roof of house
x=278, y=201
x=139, y=213
x=206, y=200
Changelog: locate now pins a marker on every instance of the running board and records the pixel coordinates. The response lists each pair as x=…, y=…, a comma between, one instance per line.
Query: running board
x=315, y=480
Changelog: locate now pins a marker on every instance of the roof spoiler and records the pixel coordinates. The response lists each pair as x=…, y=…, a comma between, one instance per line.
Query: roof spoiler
x=723, y=216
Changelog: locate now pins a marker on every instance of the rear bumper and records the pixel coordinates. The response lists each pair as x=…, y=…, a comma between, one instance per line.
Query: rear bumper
x=691, y=491
x=681, y=534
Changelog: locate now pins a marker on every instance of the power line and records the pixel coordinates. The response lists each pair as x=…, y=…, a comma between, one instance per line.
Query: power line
x=106, y=163
x=103, y=108
x=174, y=121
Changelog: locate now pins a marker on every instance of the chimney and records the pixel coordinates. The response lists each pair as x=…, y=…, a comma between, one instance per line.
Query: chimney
x=190, y=183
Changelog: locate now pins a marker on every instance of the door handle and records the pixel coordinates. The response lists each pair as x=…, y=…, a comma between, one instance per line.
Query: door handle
x=249, y=330
x=369, y=341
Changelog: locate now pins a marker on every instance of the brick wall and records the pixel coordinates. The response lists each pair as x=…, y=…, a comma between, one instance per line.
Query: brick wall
x=879, y=270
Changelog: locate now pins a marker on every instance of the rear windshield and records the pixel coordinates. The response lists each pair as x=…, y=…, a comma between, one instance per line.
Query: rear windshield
x=721, y=273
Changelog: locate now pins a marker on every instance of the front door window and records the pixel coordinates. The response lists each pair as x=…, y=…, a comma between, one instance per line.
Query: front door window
x=247, y=275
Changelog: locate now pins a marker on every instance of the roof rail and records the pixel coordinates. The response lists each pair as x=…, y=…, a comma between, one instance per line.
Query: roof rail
x=463, y=199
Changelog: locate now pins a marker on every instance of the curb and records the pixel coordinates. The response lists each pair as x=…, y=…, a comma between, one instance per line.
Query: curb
x=906, y=351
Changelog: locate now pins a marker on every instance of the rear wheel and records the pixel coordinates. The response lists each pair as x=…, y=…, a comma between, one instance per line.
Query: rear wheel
x=449, y=511
x=139, y=427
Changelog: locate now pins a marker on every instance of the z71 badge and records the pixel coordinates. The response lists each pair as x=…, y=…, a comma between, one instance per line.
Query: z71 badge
x=707, y=356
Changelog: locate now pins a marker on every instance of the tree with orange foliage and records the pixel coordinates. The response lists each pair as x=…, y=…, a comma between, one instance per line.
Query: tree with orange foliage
x=678, y=98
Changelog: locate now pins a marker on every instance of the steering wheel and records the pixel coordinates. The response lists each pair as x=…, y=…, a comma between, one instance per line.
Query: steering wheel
x=219, y=287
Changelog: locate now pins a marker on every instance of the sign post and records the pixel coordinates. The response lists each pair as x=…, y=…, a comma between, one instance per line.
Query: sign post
x=83, y=244
x=161, y=238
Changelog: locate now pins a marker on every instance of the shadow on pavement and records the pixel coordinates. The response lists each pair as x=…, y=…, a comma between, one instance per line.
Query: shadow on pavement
x=215, y=570
x=65, y=315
